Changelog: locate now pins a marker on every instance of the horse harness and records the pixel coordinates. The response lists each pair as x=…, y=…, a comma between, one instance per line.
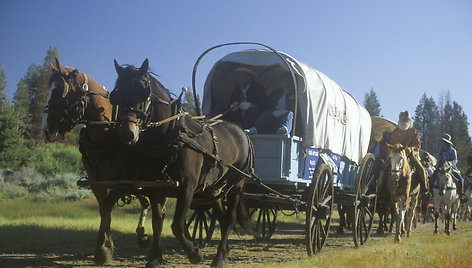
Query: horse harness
x=71, y=119
x=184, y=137
x=144, y=109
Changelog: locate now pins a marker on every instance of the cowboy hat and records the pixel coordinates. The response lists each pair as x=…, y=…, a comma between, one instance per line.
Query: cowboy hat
x=245, y=70
x=446, y=138
x=405, y=115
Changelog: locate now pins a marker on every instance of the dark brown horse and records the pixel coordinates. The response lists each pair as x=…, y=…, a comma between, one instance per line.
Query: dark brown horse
x=200, y=156
x=75, y=98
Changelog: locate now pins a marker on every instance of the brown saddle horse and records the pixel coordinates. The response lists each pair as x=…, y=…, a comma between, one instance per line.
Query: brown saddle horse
x=208, y=160
x=399, y=180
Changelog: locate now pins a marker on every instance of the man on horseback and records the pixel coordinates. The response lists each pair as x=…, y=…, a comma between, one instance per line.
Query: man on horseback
x=406, y=135
x=447, y=153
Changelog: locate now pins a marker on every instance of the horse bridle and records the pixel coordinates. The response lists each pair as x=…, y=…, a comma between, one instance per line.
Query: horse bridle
x=142, y=110
x=68, y=116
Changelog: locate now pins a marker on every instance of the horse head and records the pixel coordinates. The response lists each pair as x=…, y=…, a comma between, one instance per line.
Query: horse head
x=398, y=160
x=67, y=101
x=445, y=179
x=139, y=97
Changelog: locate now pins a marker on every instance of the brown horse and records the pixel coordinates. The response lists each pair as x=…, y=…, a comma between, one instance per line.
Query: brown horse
x=207, y=159
x=74, y=98
x=399, y=184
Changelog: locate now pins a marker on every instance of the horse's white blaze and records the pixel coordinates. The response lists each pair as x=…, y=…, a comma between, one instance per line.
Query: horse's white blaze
x=44, y=123
x=396, y=163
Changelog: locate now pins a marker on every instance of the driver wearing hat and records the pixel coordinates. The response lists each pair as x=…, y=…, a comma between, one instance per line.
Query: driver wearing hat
x=449, y=154
x=246, y=98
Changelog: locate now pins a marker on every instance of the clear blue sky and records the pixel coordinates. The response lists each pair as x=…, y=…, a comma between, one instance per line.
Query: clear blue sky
x=402, y=49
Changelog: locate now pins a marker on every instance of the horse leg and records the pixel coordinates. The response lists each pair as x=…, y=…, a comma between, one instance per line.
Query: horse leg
x=245, y=221
x=396, y=218
x=447, y=219
x=342, y=219
x=380, y=230
x=230, y=219
x=350, y=217
x=104, y=248
x=436, y=216
x=411, y=215
x=455, y=208
x=142, y=237
x=157, y=204
x=184, y=200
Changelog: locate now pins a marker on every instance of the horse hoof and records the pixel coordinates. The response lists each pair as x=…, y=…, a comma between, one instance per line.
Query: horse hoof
x=218, y=262
x=143, y=241
x=196, y=257
x=103, y=255
x=155, y=263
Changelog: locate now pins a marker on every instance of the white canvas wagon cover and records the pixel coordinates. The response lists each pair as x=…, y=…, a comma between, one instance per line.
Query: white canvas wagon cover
x=330, y=118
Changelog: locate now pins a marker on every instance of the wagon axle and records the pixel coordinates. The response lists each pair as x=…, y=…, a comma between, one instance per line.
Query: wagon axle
x=322, y=211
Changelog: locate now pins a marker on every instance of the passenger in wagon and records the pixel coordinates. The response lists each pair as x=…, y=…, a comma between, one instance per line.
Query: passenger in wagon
x=278, y=115
x=407, y=135
x=246, y=99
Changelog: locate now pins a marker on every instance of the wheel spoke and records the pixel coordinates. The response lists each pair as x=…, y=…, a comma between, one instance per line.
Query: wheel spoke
x=324, y=233
x=369, y=213
x=195, y=227
x=258, y=219
x=189, y=222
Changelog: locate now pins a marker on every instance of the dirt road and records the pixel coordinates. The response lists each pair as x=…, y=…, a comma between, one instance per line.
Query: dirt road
x=287, y=244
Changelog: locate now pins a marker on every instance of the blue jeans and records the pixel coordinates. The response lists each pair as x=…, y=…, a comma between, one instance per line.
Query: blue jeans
x=251, y=117
x=266, y=123
x=459, y=182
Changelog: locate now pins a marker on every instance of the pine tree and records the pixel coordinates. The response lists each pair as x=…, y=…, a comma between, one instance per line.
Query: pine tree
x=26, y=102
x=426, y=121
x=13, y=152
x=188, y=103
x=453, y=120
x=3, y=86
x=462, y=141
x=21, y=101
x=371, y=103
x=36, y=82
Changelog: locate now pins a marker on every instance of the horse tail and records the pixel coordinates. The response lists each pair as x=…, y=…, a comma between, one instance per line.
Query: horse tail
x=250, y=157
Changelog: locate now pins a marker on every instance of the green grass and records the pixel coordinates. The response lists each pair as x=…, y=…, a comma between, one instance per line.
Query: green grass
x=29, y=228
x=39, y=224
x=422, y=249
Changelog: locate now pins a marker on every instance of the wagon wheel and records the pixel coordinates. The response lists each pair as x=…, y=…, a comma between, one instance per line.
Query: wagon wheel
x=266, y=221
x=366, y=200
x=200, y=226
x=319, y=208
